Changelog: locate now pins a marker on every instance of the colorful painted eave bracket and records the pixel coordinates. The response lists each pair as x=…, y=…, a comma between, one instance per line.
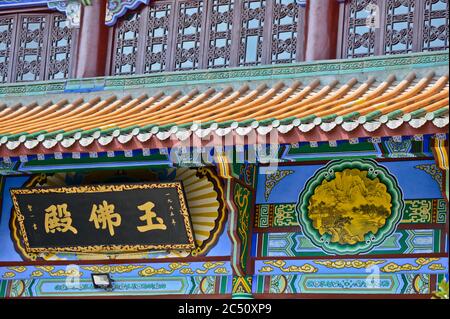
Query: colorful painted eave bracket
x=118, y=8
x=71, y=8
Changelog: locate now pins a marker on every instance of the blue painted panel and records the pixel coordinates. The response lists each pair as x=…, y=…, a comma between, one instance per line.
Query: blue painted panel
x=7, y=251
x=415, y=183
x=289, y=188
x=223, y=245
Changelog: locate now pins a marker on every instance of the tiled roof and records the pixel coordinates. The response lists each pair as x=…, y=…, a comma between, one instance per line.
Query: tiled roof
x=320, y=108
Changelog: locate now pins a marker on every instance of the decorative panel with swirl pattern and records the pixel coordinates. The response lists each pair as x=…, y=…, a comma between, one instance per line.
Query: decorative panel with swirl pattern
x=359, y=39
x=285, y=31
x=156, y=55
x=189, y=29
x=31, y=47
x=252, y=32
x=60, y=54
x=35, y=47
x=377, y=27
x=435, y=25
x=7, y=26
x=127, y=35
x=220, y=33
x=399, y=29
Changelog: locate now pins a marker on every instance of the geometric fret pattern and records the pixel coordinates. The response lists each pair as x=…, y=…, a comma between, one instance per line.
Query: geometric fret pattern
x=404, y=241
x=414, y=283
x=417, y=211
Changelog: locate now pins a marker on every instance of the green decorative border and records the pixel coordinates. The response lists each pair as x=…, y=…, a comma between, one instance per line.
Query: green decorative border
x=328, y=173
x=384, y=63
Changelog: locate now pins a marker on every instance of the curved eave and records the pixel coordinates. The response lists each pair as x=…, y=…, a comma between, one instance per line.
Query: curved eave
x=408, y=99
x=126, y=142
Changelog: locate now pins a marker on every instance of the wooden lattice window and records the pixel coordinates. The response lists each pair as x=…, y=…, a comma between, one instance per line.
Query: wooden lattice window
x=287, y=27
x=189, y=28
x=7, y=35
x=173, y=35
x=220, y=33
x=127, y=45
x=377, y=27
x=252, y=32
x=399, y=27
x=157, y=37
x=61, y=40
x=30, y=47
x=35, y=46
x=435, y=25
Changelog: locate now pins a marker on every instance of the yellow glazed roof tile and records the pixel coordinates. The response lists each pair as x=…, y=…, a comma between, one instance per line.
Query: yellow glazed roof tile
x=278, y=102
x=359, y=103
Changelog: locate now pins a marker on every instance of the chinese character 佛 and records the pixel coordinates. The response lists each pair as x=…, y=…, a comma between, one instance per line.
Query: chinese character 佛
x=58, y=218
x=103, y=215
x=148, y=217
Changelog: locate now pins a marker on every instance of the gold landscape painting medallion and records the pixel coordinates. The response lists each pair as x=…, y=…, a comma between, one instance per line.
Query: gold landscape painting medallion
x=350, y=206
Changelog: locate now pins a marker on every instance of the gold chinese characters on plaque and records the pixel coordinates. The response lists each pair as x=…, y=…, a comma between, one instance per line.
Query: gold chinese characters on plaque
x=104, y=218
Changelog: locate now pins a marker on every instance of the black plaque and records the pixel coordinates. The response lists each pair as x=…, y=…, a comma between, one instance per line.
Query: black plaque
x=104, y=218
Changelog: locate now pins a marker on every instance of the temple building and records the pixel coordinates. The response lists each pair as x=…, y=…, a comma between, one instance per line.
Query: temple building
x=224, y=148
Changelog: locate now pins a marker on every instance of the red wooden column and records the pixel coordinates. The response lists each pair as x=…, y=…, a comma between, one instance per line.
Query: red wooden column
x=93, y=39
x=322, y=24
